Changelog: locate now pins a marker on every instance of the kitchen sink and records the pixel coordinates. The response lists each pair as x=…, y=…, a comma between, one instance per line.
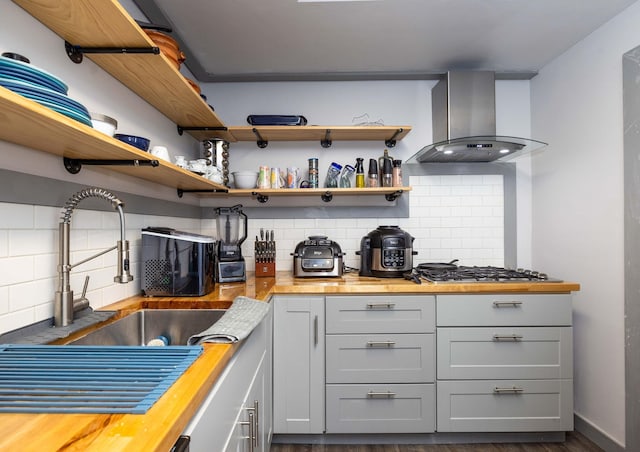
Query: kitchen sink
x=141, y=327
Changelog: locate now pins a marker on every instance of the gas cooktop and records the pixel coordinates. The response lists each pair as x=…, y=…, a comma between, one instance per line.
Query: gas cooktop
x=452, y=273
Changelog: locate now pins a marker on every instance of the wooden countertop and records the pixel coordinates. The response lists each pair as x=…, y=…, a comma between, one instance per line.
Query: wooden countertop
x=159, y=428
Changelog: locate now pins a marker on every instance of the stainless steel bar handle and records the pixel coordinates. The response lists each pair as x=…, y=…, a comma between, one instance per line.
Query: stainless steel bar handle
x=315, y=330
x=250, y=424
x=256, y=410
x=386, y=344
x=252, y=432
x=381, y=305
x=507, y=304
x=378, y=395
x=511, y=390
x=507, y=337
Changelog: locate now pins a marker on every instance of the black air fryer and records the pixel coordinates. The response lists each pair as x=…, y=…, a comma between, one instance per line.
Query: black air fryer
x=386, y=252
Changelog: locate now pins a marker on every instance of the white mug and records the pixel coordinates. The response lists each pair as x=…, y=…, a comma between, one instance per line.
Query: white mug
x=160, y=152
x=181, y=161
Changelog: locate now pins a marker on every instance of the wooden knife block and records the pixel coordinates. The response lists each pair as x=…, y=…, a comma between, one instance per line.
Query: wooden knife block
x=264, y=269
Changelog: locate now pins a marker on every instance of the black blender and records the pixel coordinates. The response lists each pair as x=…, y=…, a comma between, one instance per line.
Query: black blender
x=230, y=265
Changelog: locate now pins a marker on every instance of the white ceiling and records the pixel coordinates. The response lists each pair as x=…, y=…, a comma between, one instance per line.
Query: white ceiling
x=260, y=40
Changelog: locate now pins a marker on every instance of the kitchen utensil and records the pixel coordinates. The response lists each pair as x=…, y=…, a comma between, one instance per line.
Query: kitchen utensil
x=317, y=257
x=103, y=123
x=264, y=177
x=168, y=46
x=293, y=177
x=265, y=253
x=386, y=252
x=245, y=179
x=230, y=265
x=135, y=141
x=277, y=120
x=181, y=161
x=161, y=152
x=277, y=179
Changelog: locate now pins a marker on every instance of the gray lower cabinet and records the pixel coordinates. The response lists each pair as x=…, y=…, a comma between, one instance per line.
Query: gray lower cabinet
x=505, y=363
x=298, y=364
x=236, y=415
x=380, y=364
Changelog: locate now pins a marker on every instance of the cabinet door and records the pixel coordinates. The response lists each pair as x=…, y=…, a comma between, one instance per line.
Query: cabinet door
x=505, y=352
x=215, y=425
x=298, y=364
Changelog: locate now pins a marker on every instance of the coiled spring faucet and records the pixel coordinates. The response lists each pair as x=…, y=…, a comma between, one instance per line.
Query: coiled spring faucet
x=64, y=305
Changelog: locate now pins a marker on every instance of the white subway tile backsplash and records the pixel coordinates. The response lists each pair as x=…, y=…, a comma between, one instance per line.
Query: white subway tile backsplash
x=451, y=217
x=16, y=270
x=24, y=242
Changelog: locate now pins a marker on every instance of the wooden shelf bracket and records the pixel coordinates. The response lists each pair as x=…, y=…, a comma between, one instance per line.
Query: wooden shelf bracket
x=75, y=165
x=391, y=142
x=75, y=53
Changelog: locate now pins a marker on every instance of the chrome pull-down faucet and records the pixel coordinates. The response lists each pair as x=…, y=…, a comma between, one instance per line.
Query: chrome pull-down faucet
x=64, y=303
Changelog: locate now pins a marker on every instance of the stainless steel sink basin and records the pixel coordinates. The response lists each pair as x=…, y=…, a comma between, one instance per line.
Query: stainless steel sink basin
x=140, y=327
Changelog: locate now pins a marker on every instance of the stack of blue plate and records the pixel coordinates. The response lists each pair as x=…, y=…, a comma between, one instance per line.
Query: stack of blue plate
x=42, y=87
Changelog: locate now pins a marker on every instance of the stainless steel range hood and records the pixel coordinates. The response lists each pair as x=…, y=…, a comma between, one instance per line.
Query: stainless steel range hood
x=464, y=123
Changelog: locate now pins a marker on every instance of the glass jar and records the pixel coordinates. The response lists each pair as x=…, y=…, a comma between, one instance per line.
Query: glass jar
x=333, y=175
x=345, y=177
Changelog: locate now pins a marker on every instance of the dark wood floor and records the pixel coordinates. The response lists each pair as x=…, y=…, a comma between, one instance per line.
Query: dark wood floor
x=575, y=442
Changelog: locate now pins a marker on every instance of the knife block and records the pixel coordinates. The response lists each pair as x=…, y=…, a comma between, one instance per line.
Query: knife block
x=265, y=269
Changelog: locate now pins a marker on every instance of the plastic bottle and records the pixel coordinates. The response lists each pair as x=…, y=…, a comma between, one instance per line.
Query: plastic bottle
x=372, y=179
x=333, y=174
x=345, y=177
x=397, y=173
x=359, y=173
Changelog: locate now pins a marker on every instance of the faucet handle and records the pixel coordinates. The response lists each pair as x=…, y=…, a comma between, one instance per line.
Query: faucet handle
x=82, y=302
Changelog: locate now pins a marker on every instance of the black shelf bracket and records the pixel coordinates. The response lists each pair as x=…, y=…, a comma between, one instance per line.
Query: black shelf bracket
x=261, y=142
x=182, y=191
x=182, y=129
x=391, y=142
x=326, y=141
x=75, y=53
x=260, y=197
x=327, y=196
x=393, y=196
x=75, y=165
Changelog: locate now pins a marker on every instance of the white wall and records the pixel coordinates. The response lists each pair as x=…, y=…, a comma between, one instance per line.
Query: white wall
x=578, y=207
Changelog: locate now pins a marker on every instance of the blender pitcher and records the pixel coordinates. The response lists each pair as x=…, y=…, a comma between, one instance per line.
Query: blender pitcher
x=230, y=265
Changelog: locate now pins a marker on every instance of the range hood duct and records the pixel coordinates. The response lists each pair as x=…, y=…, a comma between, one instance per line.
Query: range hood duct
x=464, y=122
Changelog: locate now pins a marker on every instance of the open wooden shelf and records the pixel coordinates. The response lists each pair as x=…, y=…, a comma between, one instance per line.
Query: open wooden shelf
x=105, y=23
x=90, y=23
x=319, y=133
x=29, y=124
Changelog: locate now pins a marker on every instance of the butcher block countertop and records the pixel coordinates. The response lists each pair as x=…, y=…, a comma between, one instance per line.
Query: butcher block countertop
x=159, y=428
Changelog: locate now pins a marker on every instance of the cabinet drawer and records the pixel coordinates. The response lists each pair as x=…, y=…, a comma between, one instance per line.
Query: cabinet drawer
x=381, y=314
x=380, y=358
x=504, y=352
x=504, y=309
x=401, y=408
x=505, y=406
